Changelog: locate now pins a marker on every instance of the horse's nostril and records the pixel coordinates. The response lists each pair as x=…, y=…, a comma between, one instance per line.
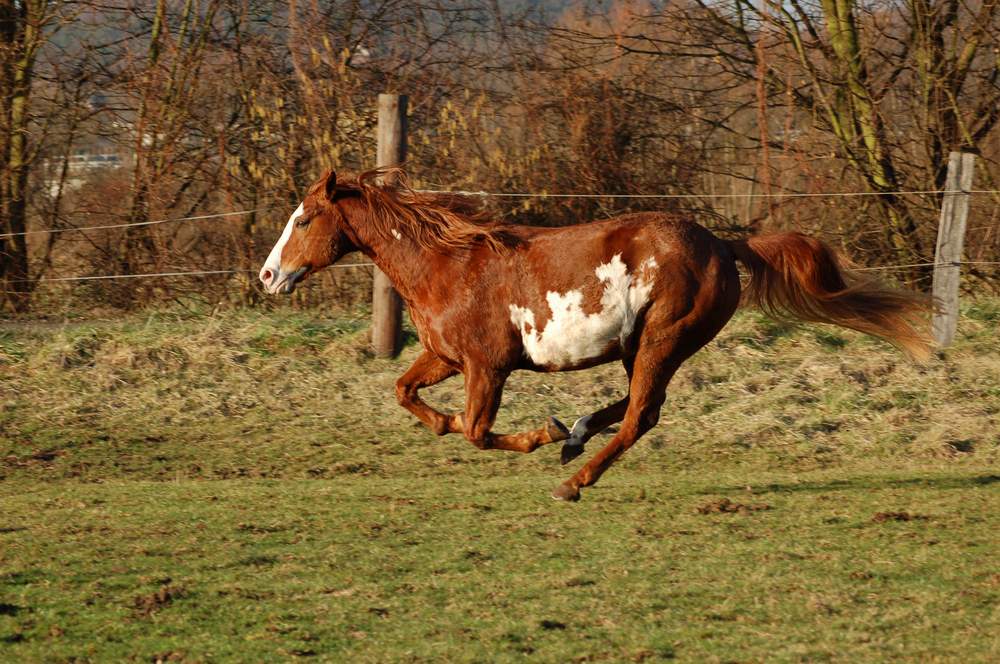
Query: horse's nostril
x=266, y=276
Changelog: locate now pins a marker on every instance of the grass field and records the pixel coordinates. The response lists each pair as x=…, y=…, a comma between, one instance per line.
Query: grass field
x=243, y=487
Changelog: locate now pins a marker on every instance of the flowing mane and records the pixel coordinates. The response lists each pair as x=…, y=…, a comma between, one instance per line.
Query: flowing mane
x=436, y=221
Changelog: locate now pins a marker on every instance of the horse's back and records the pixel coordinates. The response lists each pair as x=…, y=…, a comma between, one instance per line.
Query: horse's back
x=661, y=230
x=683, y=250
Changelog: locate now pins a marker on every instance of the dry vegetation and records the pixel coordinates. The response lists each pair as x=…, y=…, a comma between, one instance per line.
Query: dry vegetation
x=221, y=396
x=223, y=105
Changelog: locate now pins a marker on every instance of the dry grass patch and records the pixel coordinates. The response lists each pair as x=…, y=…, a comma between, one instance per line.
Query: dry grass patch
x=298, y=395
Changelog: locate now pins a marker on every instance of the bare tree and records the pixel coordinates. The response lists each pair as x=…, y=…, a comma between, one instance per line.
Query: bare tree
x=887, y=88
x=222, y=105
x=25, y=26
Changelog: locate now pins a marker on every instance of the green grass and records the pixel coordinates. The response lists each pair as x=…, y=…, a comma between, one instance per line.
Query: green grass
x=243, y=487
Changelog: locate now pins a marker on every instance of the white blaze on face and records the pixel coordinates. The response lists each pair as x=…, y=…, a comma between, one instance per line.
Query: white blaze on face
x=571, y=335
x=273, y=262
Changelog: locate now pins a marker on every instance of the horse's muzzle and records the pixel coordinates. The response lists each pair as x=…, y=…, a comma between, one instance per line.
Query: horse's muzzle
x=280, y=282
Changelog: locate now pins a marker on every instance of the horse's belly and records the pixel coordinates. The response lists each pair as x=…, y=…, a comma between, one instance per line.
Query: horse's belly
x=573, y=338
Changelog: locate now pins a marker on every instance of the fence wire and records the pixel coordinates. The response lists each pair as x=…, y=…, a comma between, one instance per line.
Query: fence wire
x=830, y=194
x=542, y=194
x=485, y=194
x=148, y=275
x=81, y=229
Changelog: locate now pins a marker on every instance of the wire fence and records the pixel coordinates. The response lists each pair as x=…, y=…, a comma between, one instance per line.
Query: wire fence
x=542, y=194
x=906, y=266
x=782, y=195
x=193, y=273
x=488, y=194
x=149, y=275
x=80, y=229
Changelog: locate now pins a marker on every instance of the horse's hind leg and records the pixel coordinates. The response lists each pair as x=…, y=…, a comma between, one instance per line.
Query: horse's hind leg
x=427, y=370
x=589, y=426
x=654, y=367
x=665, y=343
x=483, y=390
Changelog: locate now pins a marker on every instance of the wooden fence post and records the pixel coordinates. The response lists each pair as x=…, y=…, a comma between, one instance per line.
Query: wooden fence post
x=387, y=307
x=951, y=237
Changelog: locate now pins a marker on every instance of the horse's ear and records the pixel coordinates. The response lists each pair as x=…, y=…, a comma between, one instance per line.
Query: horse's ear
x=331, y=185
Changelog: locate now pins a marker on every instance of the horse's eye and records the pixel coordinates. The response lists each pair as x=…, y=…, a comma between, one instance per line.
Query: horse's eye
x=302, y=222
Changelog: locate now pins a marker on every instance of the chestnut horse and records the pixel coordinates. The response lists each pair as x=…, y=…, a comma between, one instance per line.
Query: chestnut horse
x=648, y=289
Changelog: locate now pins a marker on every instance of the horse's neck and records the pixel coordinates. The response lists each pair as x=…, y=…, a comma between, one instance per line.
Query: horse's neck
x=399, y=257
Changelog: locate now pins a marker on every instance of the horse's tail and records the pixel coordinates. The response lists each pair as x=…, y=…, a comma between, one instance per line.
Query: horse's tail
x=795, y=275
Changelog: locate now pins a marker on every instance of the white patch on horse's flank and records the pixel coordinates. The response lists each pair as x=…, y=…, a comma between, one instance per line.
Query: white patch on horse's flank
x=273, y=261
x=571, y=336
x=396, y=234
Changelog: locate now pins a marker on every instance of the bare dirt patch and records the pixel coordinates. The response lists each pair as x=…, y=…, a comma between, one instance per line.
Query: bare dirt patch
x=882, y=517
x=726, y=506
x=551, y=624
x=146, y=605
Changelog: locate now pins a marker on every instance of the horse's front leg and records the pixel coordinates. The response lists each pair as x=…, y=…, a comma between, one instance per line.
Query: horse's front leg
x=483, y=390
x=427, y=370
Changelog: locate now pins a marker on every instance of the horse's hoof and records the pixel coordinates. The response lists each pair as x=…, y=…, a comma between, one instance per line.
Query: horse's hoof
x=556, y=430
x=570, y=452
x=567, y=493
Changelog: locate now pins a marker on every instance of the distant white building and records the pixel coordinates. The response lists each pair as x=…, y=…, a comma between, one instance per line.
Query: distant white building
x=80, y=167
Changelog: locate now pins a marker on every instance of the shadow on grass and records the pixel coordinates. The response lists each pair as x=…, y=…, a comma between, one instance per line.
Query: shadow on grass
x=861, y=483
x=9, y=609
x=410, y=338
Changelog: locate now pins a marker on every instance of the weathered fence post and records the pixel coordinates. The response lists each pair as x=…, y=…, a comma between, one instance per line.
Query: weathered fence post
x=387, y=307
x=951, y=237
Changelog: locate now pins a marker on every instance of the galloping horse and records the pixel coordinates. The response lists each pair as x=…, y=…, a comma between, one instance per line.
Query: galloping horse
x=648, y=289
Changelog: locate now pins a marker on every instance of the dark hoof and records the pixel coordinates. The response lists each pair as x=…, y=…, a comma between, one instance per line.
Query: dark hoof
x=567, y=493
x=556, y=430
x=570, y=452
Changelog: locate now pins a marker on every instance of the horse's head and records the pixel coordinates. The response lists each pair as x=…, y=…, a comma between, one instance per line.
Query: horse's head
x=313, y=238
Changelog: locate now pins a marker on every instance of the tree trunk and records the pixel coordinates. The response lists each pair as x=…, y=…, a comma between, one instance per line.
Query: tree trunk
x=19, y=40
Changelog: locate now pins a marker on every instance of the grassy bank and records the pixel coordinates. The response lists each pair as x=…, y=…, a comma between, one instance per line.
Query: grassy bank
x=244, y=487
